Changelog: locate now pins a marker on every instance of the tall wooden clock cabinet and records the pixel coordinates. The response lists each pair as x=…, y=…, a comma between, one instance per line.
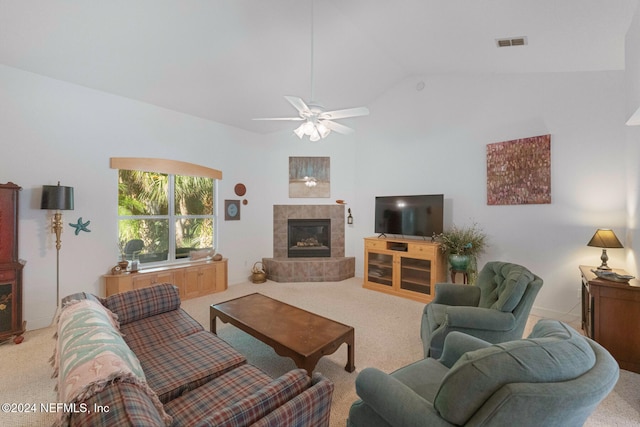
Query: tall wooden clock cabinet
x=11, y=323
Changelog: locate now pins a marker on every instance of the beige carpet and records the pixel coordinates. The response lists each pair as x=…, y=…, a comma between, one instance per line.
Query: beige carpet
x=387, y=337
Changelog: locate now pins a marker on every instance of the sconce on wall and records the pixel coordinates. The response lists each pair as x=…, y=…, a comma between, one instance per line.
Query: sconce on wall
x=349, y=217
x=58, y=198
x=605, y=239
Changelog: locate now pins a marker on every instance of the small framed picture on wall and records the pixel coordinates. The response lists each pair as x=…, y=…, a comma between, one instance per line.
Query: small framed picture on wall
x=231, y=210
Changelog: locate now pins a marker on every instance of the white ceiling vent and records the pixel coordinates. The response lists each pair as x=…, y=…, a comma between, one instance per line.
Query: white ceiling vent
x=512, y=41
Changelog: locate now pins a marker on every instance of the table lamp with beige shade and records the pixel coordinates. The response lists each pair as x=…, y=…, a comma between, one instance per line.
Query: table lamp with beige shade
x=606, y=239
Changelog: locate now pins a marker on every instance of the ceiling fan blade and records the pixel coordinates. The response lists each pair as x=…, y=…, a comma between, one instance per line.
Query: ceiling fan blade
x=280, y=118
x=347, y=112
x=337, y=127
x=298, y=104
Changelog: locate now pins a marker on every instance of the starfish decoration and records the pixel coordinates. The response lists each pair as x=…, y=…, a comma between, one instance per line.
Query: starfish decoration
x=81, y=226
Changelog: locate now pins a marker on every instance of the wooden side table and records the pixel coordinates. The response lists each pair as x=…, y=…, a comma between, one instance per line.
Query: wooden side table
x=611, y=315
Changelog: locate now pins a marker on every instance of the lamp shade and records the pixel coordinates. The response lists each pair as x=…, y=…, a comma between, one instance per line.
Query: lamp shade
x=605, y=238
x=57, y=197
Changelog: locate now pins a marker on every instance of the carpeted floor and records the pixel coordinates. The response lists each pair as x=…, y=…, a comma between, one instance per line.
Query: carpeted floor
x=387, y=337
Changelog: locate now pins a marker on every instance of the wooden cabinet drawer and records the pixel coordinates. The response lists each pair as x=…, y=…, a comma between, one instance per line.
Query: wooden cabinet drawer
x=7, y=275
x=146, y=280
x=419, y=249
x=373, y=244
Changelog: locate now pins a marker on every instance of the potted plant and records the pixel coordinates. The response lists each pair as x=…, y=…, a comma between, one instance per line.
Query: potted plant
x=463, y=245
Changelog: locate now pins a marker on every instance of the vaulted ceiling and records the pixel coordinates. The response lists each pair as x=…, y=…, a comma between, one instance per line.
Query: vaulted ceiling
x=234, y=60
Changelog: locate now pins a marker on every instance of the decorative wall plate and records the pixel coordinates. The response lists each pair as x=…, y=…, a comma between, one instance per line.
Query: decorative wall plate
x=240, y=189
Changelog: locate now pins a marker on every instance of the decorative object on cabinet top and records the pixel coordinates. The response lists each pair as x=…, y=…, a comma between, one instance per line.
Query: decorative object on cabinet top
x=612, y=275
x=202, y=254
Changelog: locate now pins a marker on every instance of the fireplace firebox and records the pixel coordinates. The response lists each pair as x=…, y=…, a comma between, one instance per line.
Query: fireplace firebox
x=309, y=238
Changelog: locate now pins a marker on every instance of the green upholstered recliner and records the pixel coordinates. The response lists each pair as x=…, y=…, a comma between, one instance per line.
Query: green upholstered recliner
x=495, y=308
x=555, y=377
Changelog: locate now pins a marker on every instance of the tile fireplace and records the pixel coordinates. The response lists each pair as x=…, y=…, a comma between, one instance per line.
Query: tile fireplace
x=313, y=251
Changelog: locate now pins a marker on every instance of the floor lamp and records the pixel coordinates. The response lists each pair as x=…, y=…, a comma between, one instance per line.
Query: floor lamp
x=56, y=197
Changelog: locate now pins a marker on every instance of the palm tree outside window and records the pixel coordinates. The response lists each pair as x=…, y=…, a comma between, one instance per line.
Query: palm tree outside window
x=170, y=214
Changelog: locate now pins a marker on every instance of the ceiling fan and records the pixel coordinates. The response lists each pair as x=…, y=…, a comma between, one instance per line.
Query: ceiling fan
x=318, y=123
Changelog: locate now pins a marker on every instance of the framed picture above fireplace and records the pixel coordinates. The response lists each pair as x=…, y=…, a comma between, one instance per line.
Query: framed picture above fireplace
x=309, y=177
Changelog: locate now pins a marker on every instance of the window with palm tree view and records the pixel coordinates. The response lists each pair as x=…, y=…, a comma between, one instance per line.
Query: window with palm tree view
x=163, y=217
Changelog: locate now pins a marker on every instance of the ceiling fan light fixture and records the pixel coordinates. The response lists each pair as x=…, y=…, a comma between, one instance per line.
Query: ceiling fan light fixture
x=299, y=131
x=309, y=127
x=315, y=130
x=315, y=136
x=323, y=130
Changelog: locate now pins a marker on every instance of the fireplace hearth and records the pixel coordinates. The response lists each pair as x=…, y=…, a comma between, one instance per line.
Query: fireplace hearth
x=309, y=238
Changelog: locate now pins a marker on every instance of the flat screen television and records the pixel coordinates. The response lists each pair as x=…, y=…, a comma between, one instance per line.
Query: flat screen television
x=420, y=215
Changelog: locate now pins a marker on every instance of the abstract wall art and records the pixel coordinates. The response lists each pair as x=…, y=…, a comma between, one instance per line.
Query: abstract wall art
x=519, y=171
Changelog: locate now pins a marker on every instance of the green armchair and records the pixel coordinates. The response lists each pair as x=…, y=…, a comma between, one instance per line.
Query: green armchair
x=494, y=309
x=556, y=377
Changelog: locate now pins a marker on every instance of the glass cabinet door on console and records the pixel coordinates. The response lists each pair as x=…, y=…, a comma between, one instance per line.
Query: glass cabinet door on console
x=380, y=268
x=415, y=275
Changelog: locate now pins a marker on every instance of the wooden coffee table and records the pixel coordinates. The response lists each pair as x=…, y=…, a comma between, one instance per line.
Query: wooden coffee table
x=292, y=332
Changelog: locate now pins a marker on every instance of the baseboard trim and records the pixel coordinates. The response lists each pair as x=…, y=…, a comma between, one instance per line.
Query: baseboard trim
x=568, y=317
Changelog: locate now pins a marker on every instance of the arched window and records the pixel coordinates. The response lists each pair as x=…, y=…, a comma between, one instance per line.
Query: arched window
x=166, y=208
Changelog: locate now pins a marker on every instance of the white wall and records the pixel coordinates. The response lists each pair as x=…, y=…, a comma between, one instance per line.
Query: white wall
x=434, y=141
x=414, y=142
x=632, y=90
x=53, y=131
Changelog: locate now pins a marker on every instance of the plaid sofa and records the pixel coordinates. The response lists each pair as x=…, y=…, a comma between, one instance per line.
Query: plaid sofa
x=199, y=379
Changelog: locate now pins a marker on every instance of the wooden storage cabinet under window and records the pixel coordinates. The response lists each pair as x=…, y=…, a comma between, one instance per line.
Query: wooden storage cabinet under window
x=193, y=279
x=403, y=267
x=204, y=279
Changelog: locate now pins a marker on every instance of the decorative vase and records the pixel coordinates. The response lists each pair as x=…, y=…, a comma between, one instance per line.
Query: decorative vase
x=459, y=262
